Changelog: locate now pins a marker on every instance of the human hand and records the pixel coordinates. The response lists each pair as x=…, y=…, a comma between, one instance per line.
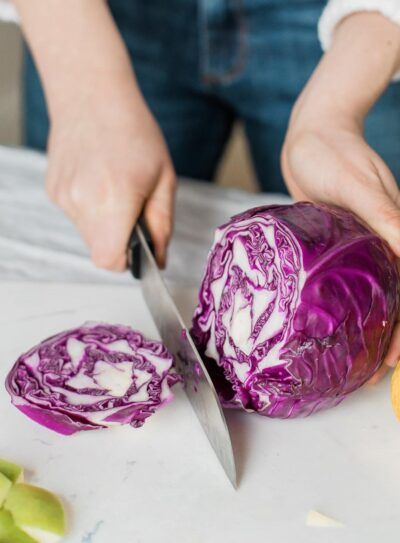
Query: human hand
x=332, y=163
x=325, y=157
x=107, y=162
x=107, y=157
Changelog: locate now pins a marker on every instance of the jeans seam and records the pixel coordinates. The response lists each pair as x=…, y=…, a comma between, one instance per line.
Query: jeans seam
x=207, y=75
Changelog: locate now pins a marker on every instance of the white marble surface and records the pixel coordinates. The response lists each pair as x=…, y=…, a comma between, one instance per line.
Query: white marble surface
x=162, y=483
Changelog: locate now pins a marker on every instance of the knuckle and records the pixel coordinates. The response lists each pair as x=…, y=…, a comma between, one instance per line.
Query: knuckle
x=109, y=262
x=51, y=192
x=60, y=191
x=58, y=195
x=102, y=261
x=75, y=193
x=51, y=187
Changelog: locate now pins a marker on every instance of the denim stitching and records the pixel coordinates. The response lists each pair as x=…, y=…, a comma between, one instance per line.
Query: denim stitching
x=219, y=78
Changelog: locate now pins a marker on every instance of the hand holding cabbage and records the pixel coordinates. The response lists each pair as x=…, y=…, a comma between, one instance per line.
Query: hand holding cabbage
x=326, y=157
x=296, y=308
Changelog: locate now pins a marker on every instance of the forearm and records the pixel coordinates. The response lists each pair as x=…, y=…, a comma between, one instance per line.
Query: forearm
x=76, y=45
x=358, y=67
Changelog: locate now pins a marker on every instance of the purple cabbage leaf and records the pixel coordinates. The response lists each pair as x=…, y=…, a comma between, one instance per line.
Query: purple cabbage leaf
x=296, y=308
x=95, y=376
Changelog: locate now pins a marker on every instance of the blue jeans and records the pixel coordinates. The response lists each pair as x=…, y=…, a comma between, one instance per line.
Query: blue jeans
x=203, y=64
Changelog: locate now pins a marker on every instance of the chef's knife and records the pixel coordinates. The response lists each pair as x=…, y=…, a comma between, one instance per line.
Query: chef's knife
x=174, y=334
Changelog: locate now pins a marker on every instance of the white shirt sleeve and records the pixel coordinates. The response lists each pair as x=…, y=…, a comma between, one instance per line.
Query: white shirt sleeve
x=8, y=13
x=337, y=10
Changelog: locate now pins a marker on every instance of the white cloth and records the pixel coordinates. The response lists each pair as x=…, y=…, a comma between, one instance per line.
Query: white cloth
x=37, y=242
x=337, y=10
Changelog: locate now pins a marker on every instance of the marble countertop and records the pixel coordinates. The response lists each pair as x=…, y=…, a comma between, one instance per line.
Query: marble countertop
x=162, y=482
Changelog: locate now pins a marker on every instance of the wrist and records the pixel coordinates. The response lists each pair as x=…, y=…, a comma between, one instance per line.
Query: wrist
x=77, y=48
x=317, y=116
x=91, y=91
x=352, y=74
x=92, y=73
x=364, y=57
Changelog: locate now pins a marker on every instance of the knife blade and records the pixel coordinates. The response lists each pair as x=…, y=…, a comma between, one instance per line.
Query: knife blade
x=176, y=337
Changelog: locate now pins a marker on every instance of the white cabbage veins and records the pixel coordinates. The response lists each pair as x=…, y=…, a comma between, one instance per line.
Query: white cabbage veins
x=296, y=308
x=94, y=376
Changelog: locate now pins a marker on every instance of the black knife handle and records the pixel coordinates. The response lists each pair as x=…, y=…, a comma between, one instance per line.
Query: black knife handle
x=134, y=248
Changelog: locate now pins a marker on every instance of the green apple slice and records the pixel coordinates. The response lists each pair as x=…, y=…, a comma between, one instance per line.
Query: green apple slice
x=12, y=471
x=9, y=533
x=6, y=523
x=37, y=512
x=5, y=485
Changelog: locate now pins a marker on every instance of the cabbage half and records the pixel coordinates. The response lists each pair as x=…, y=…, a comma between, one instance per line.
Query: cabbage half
x=94, y=376
x=296, y=308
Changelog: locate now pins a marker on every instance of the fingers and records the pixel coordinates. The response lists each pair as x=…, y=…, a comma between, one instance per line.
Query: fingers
x=378, y=375
x=344, y=171
x=386, y=223
x=389, y=223
x=393, y=354
x=374, y=205
x=391, y=359
x=376, y=200
x=107, y=231
x=105, y=213
x=158, y=215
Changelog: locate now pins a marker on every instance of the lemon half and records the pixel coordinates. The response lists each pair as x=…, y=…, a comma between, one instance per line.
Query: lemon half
x=396, y=391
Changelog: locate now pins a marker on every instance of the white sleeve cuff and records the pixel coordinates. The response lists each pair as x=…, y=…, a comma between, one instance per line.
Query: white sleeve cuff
x=8, y=13
x=336, y=10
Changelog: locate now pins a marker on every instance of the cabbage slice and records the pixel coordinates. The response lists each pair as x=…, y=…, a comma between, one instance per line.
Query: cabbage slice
x=94, y=376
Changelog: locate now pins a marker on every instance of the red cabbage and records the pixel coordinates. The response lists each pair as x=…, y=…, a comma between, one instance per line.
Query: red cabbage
x=296, y=308
x=94, y=376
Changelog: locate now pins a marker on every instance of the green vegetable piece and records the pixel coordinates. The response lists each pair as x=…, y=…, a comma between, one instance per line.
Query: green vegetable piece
x=12, y=471
x=6, y=523
x=9, y=533
x=37, y=512
x=5, y=485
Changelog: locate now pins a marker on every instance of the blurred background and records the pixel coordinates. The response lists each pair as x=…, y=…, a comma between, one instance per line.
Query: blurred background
x=235, y=169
